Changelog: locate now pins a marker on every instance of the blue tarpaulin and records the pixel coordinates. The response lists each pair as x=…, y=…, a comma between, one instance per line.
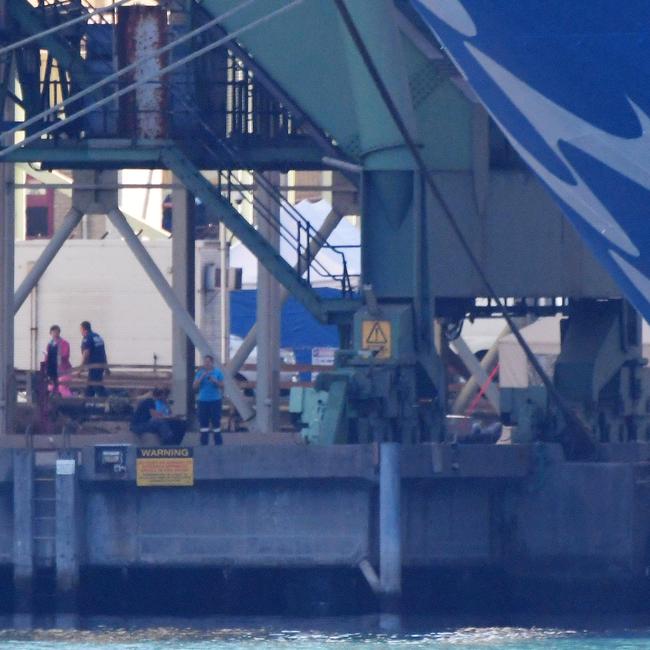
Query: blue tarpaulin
x=299, y=329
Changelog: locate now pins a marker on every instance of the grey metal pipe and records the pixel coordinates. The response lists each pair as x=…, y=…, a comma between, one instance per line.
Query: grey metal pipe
x=390, y=528
x=224, y=295
x=185, y=321
x=70, y=222
x=183, y=285
x=477, y=370
x=267, y=390
x=488, y=362
x=371, y=576
x=250, y=340
x=343, y=165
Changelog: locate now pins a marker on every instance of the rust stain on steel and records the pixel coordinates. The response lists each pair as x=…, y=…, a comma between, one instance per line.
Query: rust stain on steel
x=141, y=30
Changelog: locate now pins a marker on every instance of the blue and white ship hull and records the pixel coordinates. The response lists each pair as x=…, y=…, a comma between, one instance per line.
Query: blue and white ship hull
x=569, y=84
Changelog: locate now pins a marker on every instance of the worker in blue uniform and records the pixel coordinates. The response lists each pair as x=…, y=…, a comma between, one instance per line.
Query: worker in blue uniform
x=93, y=353
x=208, y=384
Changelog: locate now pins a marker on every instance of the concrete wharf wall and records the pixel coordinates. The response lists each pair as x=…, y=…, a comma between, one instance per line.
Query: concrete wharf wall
x=521, y=509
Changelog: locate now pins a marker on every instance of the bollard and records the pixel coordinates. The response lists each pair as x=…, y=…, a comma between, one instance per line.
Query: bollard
x=390, y=529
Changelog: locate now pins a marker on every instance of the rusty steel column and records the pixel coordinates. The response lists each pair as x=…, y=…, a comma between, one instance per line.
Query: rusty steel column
x=140, y=31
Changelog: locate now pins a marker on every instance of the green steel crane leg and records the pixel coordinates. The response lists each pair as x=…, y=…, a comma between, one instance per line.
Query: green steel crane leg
x=281, y=270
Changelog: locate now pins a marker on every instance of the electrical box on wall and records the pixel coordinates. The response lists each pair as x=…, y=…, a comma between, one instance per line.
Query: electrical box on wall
x=212, y=278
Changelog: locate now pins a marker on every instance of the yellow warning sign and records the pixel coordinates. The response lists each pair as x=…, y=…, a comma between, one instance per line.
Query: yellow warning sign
x=376, y=335
x=164, y=466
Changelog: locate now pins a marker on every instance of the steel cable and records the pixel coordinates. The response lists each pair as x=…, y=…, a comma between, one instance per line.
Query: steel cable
x=62, y=26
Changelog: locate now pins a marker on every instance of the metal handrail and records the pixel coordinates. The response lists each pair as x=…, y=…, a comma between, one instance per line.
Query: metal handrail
x=253, y=95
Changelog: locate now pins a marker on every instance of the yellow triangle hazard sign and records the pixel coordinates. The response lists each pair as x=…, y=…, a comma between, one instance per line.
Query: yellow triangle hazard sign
x=376, y=335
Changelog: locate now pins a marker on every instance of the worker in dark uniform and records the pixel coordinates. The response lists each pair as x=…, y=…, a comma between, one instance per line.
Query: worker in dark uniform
x=93, y=353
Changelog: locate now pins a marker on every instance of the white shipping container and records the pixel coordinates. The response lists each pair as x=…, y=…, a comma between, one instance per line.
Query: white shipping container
x=100, y=281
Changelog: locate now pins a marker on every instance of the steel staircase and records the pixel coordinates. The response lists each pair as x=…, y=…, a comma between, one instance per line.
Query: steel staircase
x=251, y=115
x=192, y=178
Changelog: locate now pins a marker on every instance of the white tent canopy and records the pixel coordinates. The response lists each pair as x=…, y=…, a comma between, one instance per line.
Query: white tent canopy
x=345, y=234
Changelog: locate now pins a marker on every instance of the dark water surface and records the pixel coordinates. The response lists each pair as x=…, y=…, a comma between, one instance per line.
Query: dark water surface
x=344, y=633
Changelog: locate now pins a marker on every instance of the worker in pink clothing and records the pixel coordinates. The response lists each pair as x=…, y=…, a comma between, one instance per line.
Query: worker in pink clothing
x=57, y=363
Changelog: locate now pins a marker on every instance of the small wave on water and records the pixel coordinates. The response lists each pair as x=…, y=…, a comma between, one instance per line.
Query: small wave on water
x=321, y=635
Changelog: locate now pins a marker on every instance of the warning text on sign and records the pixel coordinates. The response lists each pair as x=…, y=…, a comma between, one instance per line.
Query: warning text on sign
x=164, y=467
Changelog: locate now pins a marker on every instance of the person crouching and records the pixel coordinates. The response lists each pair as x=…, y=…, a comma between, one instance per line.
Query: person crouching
x=153, y=415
